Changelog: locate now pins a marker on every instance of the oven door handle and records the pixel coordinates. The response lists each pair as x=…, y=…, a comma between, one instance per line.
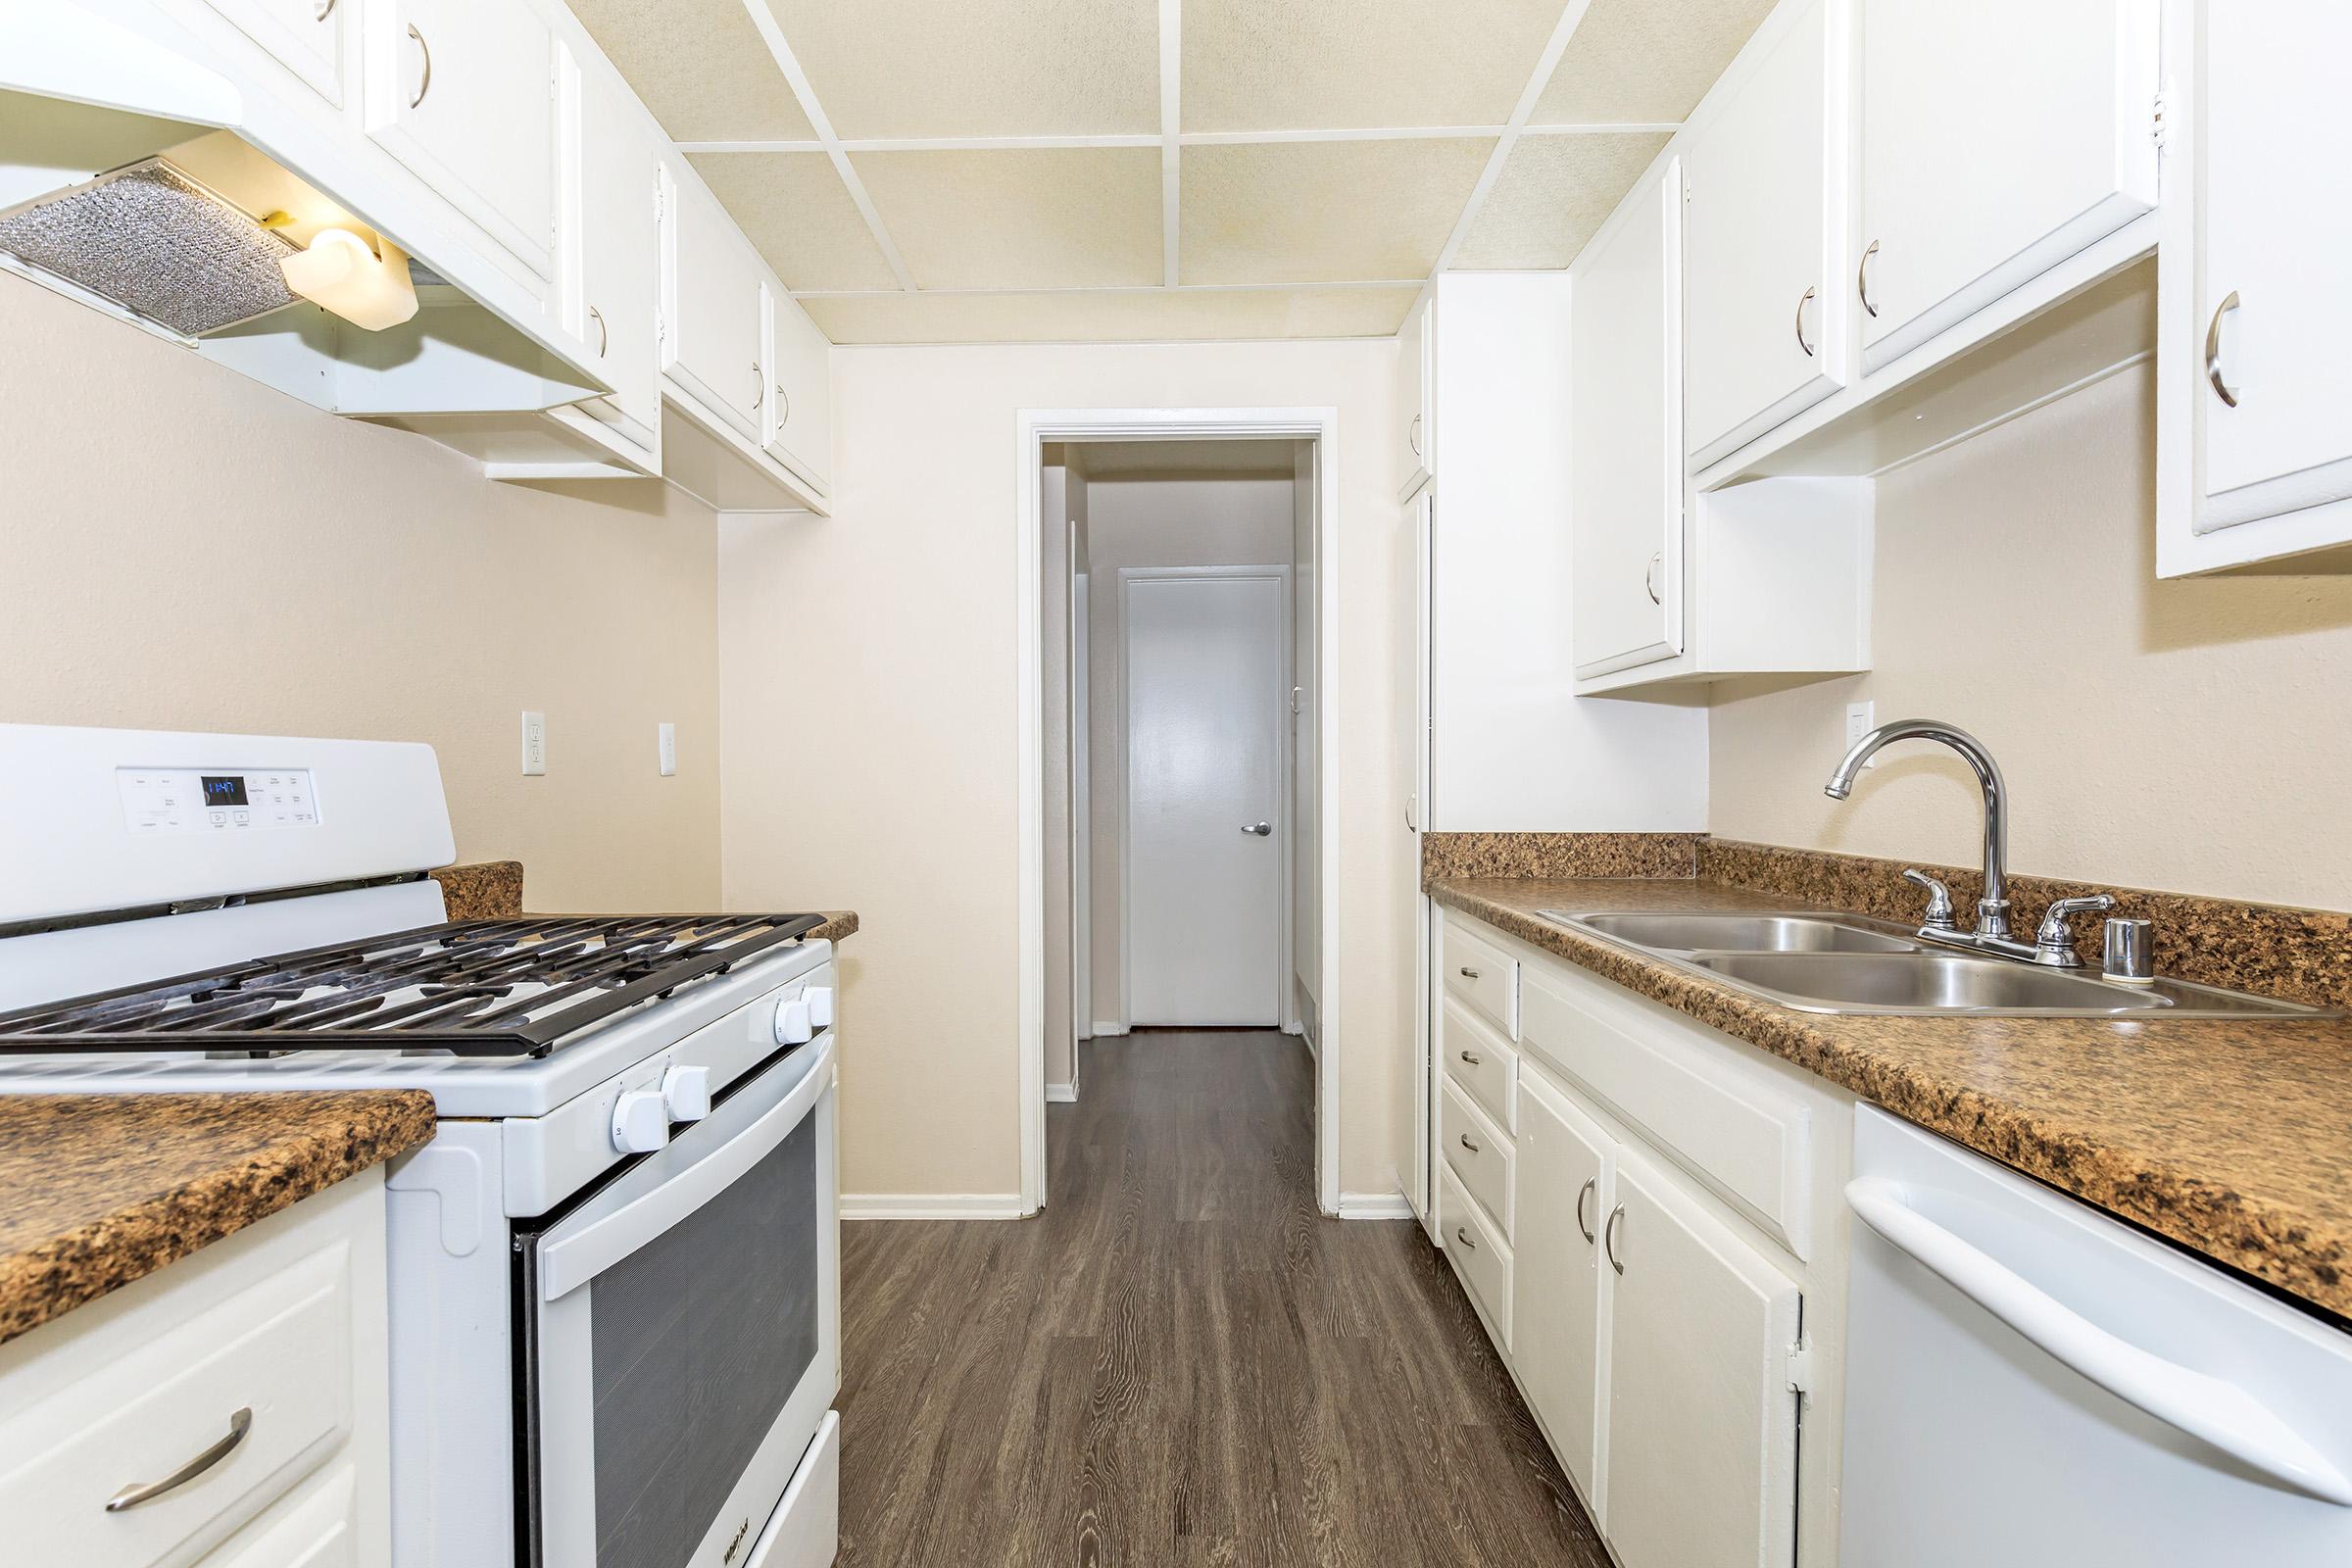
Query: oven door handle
x=569, y=1260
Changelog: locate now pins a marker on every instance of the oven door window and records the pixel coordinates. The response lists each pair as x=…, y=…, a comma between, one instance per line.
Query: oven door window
x=674, y=1383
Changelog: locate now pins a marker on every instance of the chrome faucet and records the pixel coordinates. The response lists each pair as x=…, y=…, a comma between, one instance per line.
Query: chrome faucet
x=2053, y=943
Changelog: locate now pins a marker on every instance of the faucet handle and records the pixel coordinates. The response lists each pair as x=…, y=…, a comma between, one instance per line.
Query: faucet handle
x=2054, y=941
x=1939, y=901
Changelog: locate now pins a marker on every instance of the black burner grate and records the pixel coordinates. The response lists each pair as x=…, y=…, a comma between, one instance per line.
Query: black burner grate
x=485, y=988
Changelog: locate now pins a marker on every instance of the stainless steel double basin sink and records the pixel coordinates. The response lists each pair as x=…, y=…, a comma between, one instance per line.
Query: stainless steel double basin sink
x=1829, y=963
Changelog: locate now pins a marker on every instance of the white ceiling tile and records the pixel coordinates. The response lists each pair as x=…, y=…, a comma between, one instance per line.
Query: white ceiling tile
x=1251, y=65
x=1552, y=193
x=1323, y=212
x=795, y=209
x=1639, y=61
x=1037, y=218
x=699, y=66
x=1140, y=315
x=979, y=68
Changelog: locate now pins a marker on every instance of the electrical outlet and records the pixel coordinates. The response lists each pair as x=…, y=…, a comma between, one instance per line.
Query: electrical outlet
x=1860, y=720
x=666, y=749
x=535, y=744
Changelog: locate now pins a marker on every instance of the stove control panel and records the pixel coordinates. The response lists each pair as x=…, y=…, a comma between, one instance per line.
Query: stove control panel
x=188, y=800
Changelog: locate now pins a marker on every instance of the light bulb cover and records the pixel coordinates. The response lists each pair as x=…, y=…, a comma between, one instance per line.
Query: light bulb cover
x=341, y=272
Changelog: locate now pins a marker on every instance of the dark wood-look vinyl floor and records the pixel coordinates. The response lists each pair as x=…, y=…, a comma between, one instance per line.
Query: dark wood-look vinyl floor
x=1181, y=1362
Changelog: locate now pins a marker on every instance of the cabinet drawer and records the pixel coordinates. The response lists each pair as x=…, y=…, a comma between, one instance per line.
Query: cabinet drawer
x=1482, y=1061
x=1484, y=976
x=1719, y=1119
x=1479, y=1253
x=279, y=1349
x=1480, y=1153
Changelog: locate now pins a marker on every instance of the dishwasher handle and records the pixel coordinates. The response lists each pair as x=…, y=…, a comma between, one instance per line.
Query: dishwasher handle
x=2213, y=1411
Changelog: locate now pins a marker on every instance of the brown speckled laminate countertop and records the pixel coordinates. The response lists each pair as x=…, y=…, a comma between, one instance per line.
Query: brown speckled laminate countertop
x=98, y=1190
x=2232, y=1138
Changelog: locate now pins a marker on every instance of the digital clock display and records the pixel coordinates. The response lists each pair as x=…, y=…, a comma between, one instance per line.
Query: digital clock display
x=222, y=791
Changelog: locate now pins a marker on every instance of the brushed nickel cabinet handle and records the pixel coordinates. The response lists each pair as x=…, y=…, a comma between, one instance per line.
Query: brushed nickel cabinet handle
x=1472, y=1058
x=1862, y=279
x=1650, y=576
x=322, y=10
x=1608, y=1237
x=2212, y=351
x=783, y=405
x=1467, y=972
x=1590, y=1187
x=1461, y=1234
x=759, y=393
x=603, y=333
x=132, y=1495
x=1804, y=300
x=1467, y=1144
x=1413, y=435
x=424, y=80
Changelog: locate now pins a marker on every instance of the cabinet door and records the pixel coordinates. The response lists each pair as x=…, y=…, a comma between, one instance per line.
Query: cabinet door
x=1768, y=326
x=1626, y=433
x=1416, y=384
x=2270, y=294
x=1565, y=1187
x=1703, y=1423
x=463, y=93
x=1999, y=139
x=798, y=412
x=306, y=36
x=711, y=278
x=619, y=240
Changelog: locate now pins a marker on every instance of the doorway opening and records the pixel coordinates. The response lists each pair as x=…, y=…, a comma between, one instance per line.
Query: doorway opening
x=1177, y=821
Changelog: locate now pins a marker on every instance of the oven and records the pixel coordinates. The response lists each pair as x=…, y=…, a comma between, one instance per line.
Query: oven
x=679, y=1337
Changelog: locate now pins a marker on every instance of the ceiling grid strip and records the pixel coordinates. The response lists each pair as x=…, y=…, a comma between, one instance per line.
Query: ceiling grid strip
x=1171, y=127
x=1572, y=16
x=1116, y=288
x=1190, y=138
x=789, y=62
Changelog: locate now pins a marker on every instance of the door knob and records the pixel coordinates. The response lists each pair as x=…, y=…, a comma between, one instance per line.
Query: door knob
x=1261, y=830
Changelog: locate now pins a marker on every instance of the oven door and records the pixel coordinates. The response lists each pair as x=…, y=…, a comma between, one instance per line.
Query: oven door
x=683, y=1331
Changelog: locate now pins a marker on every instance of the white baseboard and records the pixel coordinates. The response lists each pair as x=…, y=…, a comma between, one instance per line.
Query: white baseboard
x=1374, y=1206
x=930, y=1206
x=1062, y=1094
x=1103, y=1029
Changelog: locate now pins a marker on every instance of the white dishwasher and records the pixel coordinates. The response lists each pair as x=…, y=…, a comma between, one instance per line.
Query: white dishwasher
x=2031, y=1382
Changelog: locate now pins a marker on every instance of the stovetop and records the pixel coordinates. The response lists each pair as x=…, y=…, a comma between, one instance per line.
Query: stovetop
x=473, y=988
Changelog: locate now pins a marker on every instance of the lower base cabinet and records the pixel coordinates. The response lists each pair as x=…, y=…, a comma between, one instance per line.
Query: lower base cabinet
x=1567, y=1187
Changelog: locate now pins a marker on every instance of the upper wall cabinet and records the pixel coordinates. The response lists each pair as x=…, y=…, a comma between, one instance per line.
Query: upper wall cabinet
x=710, y=283
x=463, y=93
x=1998, y=139
x=1416, y=397
x=1626, y=458
x=615, y=292
x=798, y=428
x=2255, y=378
x=1771, y=319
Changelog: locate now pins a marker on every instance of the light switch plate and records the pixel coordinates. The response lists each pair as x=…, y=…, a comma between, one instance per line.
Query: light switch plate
x=1860, y=720
x=535, y=744
x=666, y=749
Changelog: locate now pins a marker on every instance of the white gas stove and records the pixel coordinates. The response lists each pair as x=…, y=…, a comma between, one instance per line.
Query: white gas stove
x=615, y=1270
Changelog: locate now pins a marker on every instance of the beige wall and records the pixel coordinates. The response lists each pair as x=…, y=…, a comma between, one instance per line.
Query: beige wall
x=2187, y=735
x=182, y=548
x=869, y=708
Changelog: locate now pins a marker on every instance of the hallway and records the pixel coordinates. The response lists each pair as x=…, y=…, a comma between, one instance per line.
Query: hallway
x=1179, y=1362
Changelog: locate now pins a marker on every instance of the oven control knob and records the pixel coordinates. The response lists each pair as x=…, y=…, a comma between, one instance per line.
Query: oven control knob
x=686, y=1093
x=820, y=1006
x=794, y=1024
x=640, y=1122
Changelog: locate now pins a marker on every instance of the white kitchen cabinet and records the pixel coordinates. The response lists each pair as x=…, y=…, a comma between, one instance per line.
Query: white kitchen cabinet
x=306, y=36
x=1566, y=1185
x=1769, y=318
x=1998, y=138
x=1702, y=1414
x=1416, y=397
x=1626, y=458
x=2256, y=356
x=797, y=422
x=463, y=92
x=710, y=321
x=616, y=290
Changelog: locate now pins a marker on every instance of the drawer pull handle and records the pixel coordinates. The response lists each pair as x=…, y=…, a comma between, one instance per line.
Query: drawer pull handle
x=1592, y=1186
x=1462, y=1234
x=1472, y=1058
x=1468, y=973
x=1467, y=1144
x=1608, y=1237
x=131, y=1497
x=424, y=80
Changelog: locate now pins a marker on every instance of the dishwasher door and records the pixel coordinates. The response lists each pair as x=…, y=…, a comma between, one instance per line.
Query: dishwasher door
x=2031, y=1382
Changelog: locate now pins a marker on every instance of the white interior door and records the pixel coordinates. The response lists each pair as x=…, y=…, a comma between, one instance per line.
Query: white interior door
x=1206, y=708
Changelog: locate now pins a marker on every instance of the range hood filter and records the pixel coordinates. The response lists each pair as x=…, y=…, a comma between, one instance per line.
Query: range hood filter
x=155, y=242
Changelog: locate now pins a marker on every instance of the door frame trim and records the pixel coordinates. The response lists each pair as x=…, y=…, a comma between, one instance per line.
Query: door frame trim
x=1034, y=429
x=1283, y=767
